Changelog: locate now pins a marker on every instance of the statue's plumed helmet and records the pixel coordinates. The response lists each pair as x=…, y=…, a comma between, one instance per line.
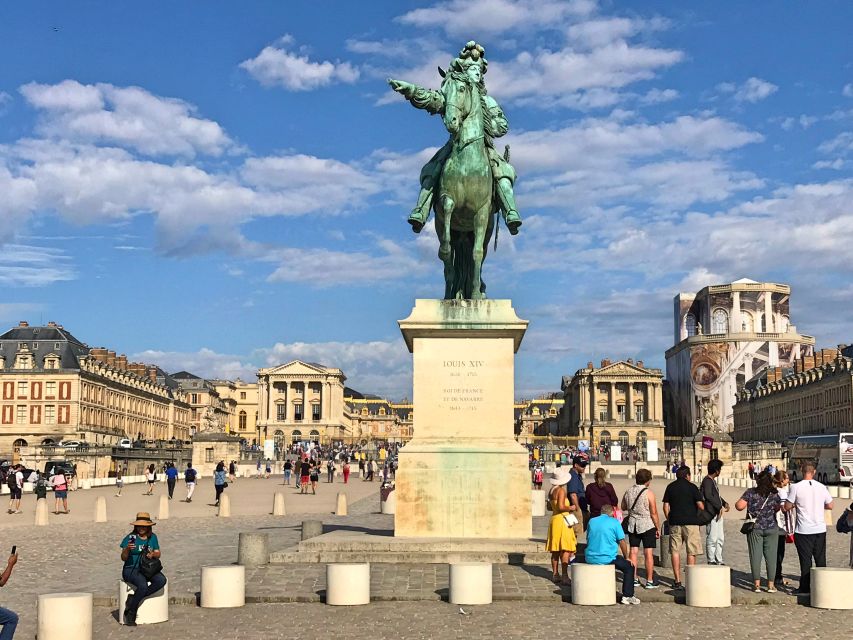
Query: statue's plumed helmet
x=472, y=53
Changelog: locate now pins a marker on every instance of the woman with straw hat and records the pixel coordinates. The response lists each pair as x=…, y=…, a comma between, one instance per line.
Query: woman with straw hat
x=562, y=542
x=142, y=541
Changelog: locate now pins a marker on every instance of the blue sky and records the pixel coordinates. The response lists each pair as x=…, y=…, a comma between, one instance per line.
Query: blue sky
x=220, y=186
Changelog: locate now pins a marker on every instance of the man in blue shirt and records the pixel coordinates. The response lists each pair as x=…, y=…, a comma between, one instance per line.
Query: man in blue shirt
x=604, y=540
x=577, y=494
x=171, y=478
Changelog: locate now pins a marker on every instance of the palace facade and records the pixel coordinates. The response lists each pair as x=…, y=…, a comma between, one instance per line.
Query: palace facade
x=538, y=417
x=814, y=396
x=616, y=403
x=375, y=418
x=724, y=336
x=55, y=387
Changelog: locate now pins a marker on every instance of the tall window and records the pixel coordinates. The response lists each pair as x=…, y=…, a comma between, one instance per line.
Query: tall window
x=623, y=439
x=639, y=413
x=622, y=412
x=297, y=411
x=242, y=395
x=746, y=322
x=50, y=389
x=603, y=415
x=315, y=412
x=690, y=324
x=720, y=321
x=194, y=398
x=208, y=454
x=604, y=437
x=241, y=421
x=281, y=412
x=641, y=440
x=22, y=389
x=21, y=414
x=49, y=414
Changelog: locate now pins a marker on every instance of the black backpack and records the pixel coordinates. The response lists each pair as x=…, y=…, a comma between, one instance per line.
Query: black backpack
x=189, y=475
x=11, y=480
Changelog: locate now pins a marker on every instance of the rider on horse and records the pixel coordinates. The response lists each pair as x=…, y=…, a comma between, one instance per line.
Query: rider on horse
x=473, y=64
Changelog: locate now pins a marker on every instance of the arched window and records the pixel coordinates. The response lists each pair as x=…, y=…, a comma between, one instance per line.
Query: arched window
x=641, y=440
x=747, y=324
x=241, y=421
x=20, y=442
x=720, y=321
x=296, y=434
x=623, y=439
x=604, y=437
x=690, y=324
x=48, y=442
x=786, y=323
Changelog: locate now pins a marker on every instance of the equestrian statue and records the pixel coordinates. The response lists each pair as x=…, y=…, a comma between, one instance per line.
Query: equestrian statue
x=467, y=180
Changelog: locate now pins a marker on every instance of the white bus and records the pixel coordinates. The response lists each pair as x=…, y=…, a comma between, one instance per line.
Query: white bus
x=832, y=455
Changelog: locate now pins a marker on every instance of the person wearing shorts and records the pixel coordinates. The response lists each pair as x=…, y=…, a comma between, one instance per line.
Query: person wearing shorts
x=60, y=492
x=304, y=475
x=643, y=524
x=682, y=502
x=119, y=481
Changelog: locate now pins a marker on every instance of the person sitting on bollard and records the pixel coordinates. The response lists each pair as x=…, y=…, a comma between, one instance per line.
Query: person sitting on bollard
x=604, y=540
x=8, y=618
x=561, y=542
x=219, y=481
x=139, y=551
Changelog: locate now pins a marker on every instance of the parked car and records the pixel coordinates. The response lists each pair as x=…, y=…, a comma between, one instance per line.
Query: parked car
x=52, y=467
x=70, y=444
x=125, y=443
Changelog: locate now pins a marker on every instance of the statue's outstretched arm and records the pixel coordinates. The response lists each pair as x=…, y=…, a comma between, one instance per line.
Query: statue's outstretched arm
x=419, y=97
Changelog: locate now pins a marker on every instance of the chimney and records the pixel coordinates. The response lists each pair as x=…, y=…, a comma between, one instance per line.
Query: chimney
x=111, y=358
x=52, y=324
x=630, y=361
x=152, y=374
x=23, y=323
x=640, y=364
x=589, y=365
x=99, y=354
x=121, y=362
x=605, y=362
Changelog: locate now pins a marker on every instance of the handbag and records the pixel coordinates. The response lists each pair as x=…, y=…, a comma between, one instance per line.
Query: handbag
x=749, y=520
x=628, y=513
x=149, y=567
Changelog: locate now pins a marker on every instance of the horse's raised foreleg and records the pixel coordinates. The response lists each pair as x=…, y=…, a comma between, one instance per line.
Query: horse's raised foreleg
x=478, y=250
x=445, y=253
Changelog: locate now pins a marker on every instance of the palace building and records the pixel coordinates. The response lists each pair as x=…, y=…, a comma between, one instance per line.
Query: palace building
x=55, y=387
x=724, y=336
x=375, y=418
x=815, y=396
x=538, y=417
x=616, y=403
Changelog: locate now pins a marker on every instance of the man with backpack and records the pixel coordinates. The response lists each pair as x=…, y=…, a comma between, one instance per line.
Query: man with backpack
x=15, y=480
x=190, y=476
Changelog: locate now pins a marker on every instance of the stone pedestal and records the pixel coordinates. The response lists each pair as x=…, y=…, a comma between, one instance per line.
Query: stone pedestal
x=708, y=586
x=470, y=583
x=153, y=610
x=831, y=588
x=593, y=584
x=65, y=616
x=463, y=444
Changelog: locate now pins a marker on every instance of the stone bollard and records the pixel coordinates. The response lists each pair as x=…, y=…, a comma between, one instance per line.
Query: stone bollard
x=388, y=501
x=154, y=609
x=537, y=504
x=224, y=506
x=65, y=616
x=86, y=484
x=253, y=549
x=348, y=584
x=311, y=529
x=845, y=492
x=593, y=584
x=278, y=505
x=341, y=506
x=471, y=583
x=708, y=585
x=41, y=512
x=663, y=559
x=101, y=509
x=832, y=588
x=833, y=490
x=223, y=587
x=164, y=508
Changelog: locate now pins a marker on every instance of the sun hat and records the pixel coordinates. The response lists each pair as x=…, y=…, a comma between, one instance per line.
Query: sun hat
x=143, y=519
x=560, y=477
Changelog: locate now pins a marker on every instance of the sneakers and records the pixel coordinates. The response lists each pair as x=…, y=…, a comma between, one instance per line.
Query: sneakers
x=652, y=585
x=636, y=582
x=631, y=600
x=677, y=586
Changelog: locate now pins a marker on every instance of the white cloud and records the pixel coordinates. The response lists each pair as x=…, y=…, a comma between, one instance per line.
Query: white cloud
x=125, y=116
x=841, y=144
x=493, y=17
x=29, y=266
x=657, y=96
x=277, y=65
x=836, y=164
x=847, y=90
x=752, y=90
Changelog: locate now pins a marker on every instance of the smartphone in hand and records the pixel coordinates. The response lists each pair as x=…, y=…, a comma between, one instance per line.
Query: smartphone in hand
x=14, y=549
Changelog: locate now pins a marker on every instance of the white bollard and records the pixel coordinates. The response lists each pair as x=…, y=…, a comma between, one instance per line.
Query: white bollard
x=832, y=588
x=348, y=584
x=593, y=584
x=845, y=492
x=223, y=587
x=537, y=504
x=833, y=490
x=65, y=616
x=101, y=509
x=708, y=585
x=41, y=512
x=341, y=506
x=224, y=506
x=164, y=508
x=278, y=505
x=86, y=484
x=389, y=504
x=154, y=609
x=471, y=583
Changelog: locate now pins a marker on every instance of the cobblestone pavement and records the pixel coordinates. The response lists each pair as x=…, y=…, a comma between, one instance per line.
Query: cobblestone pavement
x=83, y=556
x=430, y=620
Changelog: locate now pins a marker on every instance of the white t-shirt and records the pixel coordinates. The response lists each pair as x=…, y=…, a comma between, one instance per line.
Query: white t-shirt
x=19, y=479
x=810, y=497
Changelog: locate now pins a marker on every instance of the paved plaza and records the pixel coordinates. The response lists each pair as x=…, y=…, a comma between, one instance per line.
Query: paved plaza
x=75, y=554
